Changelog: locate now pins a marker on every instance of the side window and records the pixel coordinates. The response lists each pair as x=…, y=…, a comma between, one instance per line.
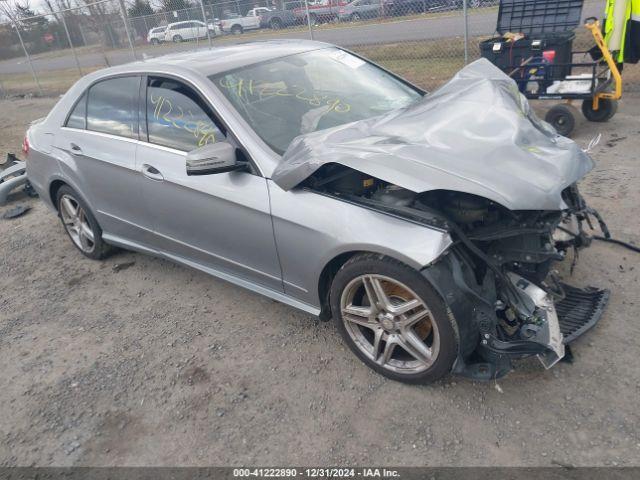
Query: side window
x=112, y=106
x=78, y=117
x=177, y=117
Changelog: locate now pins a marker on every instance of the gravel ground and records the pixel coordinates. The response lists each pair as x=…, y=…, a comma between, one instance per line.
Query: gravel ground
x=157, y=364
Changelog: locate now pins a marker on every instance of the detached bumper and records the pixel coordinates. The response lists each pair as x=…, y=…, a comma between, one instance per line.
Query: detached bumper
x=12, y=178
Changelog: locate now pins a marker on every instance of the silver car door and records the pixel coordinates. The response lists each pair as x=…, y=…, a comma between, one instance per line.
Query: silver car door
x=99, y=142
x=221, y=221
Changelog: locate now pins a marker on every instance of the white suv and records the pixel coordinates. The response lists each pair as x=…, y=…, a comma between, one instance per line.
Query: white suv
x=156, y=35
x=187, y=30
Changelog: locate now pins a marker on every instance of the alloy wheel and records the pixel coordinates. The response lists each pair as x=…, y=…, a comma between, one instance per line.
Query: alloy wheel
x=390, y=324
x=76, y=223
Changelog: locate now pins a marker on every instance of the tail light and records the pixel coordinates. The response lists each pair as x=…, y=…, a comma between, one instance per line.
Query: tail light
x=341, y=10
x=25, y=145
x=549, y=55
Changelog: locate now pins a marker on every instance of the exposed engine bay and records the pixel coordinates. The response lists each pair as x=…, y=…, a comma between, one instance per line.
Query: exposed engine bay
x=498, y=278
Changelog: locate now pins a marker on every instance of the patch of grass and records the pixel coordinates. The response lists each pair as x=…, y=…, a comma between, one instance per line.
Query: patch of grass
x=53, y=82
x=427, y=63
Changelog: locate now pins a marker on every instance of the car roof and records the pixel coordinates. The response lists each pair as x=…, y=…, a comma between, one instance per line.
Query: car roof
x=184, y=21
x=221, y=59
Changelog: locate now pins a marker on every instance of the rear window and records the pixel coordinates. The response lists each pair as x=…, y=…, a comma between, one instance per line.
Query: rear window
x=112, y=106
x=78, y=116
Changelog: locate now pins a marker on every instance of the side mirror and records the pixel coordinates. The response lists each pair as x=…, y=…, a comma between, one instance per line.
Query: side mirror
x=213, y=158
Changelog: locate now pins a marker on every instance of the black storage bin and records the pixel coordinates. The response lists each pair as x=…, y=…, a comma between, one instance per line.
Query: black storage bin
x=546, y=24
x=508, y=55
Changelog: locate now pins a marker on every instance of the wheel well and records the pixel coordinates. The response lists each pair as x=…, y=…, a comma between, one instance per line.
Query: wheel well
x=326, y=277
x=53, y=190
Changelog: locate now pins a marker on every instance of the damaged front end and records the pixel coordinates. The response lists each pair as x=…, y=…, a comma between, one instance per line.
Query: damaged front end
x=473, y=160
x=498, y=277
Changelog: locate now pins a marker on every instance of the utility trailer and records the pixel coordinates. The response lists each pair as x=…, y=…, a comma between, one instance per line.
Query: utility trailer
x=535, y=49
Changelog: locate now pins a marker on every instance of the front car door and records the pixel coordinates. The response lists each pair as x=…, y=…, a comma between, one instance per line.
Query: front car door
x=220, y=222
x=100, y=138
x=202, y=29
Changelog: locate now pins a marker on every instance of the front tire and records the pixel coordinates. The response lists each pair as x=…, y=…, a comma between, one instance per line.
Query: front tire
x=393, y=319
x=80, y=224
x=155, y=41
x=177, y=39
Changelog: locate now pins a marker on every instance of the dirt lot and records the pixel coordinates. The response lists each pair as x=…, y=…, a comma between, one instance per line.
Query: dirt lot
x=158, y=364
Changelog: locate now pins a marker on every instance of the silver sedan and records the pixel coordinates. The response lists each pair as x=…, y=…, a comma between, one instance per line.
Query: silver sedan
x=176, y=157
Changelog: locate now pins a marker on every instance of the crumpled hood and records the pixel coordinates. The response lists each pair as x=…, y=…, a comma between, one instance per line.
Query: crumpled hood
x=476, y=134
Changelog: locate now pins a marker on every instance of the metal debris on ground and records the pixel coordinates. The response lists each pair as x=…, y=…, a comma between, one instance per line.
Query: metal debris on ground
x=11, y=159
x=16, y=211
x=118, y=267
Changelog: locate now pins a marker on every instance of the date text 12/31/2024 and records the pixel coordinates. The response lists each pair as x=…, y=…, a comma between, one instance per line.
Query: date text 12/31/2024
x=316, y=472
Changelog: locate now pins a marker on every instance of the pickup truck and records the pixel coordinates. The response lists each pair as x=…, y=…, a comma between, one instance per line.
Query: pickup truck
x=250, y=21
x=277, y=19
x=320, y=11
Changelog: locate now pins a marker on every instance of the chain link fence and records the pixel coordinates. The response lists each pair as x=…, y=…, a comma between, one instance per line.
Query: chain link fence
x=426, y=41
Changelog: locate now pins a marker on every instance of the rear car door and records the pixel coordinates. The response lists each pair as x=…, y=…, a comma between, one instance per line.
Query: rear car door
x=220, y=222
x=190, y=30
x=100, y=139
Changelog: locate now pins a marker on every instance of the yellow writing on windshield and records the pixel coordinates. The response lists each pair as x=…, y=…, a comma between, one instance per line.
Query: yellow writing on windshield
x=168, y=114
x=250, y=91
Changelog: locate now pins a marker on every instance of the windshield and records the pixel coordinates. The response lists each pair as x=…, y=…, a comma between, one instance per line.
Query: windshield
x=302, y=93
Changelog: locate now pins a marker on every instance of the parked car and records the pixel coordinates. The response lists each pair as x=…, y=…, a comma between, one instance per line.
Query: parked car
x=156, y=35
x=319, y=11
x=301, y=171
x=277, y=19
x=188, y=30
x=237, y=25
x=476, y=3
x=359, y=9
x=410, y=7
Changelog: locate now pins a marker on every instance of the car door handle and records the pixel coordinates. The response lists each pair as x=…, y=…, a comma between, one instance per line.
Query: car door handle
x=75, y=149
x=151, y=172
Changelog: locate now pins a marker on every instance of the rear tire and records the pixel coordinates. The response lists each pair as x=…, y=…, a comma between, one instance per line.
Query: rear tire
x=81, y=225
x=562, y=118
x=177, y=39
x=426, y=329
x=155, y=41
x=607, y=109
x=355, y=17
x=236, y=30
